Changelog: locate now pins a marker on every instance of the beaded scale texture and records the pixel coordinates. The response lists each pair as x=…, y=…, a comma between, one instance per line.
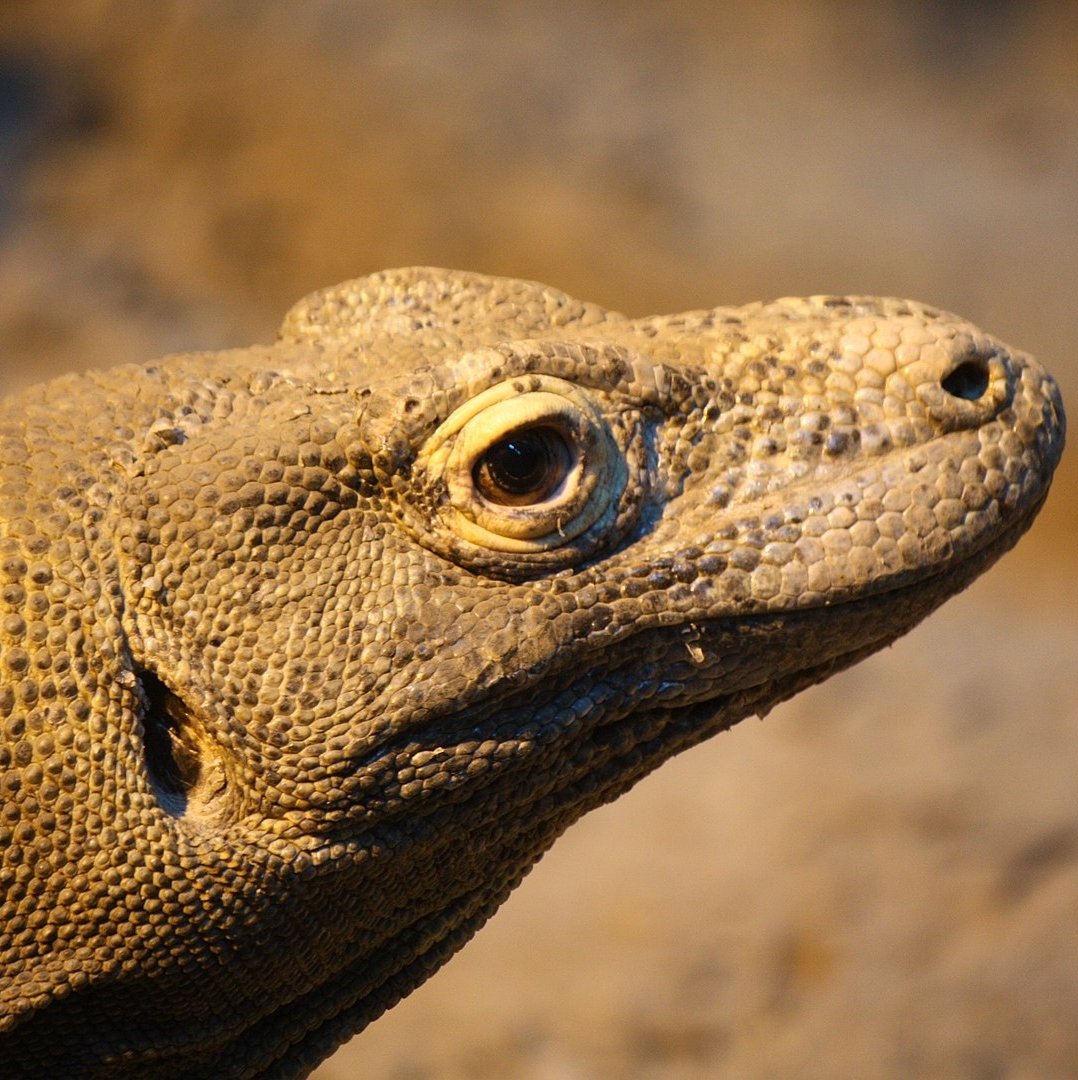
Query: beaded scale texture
x=309, y=651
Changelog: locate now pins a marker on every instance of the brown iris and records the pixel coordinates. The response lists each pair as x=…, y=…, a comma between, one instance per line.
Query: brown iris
x=523, y=468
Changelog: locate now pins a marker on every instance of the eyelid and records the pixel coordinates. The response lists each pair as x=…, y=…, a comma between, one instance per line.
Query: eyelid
x=491, y=423
x=593, y=483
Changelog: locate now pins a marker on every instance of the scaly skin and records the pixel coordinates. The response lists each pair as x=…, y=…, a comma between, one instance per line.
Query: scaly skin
x=308, y=652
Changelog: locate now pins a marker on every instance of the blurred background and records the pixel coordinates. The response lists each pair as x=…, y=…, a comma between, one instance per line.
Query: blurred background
x=882, y=879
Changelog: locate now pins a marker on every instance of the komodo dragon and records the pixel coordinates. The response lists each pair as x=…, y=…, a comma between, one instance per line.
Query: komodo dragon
x=309, y=651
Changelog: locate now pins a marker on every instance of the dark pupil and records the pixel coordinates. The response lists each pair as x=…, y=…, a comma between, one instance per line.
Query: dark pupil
x=524, y=467
x=969, y=380
x=521, y=463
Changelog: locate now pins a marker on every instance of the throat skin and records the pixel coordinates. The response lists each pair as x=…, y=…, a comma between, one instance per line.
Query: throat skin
x=309, y=651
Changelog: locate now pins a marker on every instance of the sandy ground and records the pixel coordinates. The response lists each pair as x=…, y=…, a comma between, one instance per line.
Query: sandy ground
x=881, y=880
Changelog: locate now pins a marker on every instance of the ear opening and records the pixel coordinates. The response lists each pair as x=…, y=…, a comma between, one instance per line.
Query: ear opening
x=186, y=769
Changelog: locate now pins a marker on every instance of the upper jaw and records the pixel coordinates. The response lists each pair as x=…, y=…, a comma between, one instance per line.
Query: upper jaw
x=820, y=507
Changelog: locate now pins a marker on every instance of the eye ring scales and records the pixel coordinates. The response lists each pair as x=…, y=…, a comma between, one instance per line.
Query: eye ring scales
x=528, y=465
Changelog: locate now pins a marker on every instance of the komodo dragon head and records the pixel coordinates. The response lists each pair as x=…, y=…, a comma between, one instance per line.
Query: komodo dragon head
x=309, y=651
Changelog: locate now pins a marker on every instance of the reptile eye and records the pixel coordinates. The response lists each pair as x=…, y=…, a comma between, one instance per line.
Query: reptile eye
x=523, y=468
x=969, y=380
x=528, y=465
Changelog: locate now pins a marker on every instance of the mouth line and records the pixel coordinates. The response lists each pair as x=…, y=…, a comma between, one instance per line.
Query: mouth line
x=968, y=551
x=586, y=716
x=680, y=725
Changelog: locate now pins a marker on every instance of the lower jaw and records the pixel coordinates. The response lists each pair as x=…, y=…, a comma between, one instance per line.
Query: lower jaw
x=609, y=760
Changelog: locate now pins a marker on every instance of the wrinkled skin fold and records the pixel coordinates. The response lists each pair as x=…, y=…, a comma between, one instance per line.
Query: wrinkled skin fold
x=309, y=651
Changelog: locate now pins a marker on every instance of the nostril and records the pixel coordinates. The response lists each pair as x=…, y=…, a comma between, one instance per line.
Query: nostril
x=969, y=380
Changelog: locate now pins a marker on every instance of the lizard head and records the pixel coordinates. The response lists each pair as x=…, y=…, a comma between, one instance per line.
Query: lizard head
x=596, y=540
x=460, y=558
